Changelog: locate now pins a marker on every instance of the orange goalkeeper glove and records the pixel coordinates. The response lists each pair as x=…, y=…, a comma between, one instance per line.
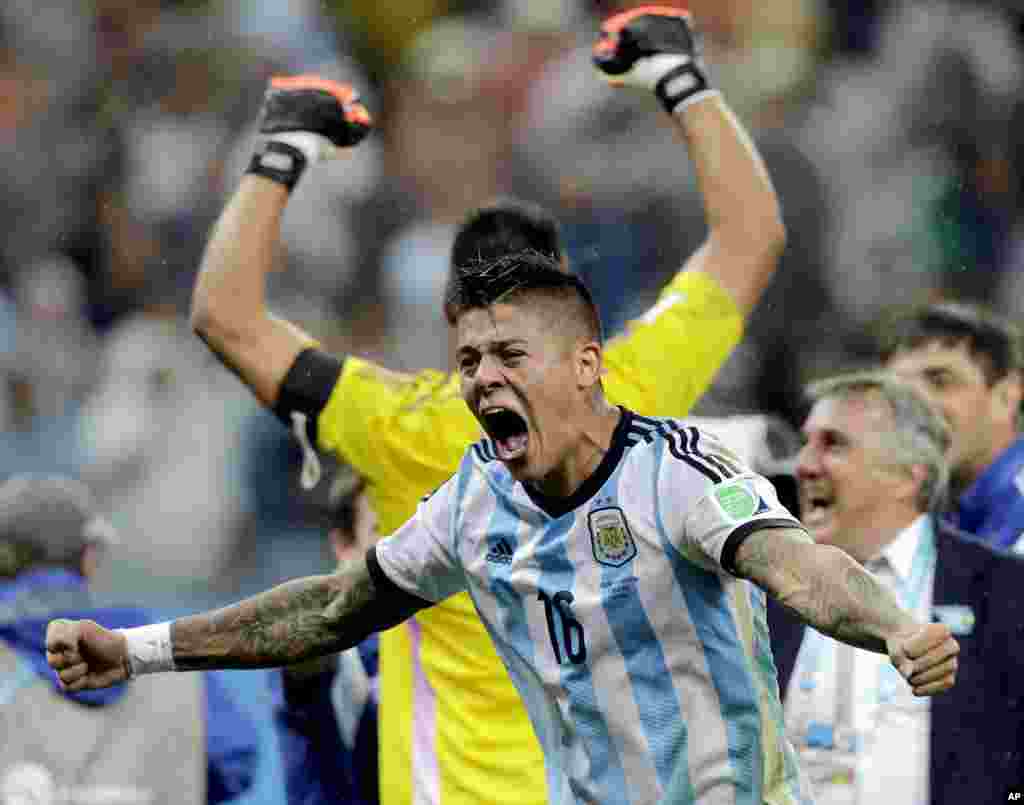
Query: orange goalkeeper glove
x=306, y=119
x=655, y=48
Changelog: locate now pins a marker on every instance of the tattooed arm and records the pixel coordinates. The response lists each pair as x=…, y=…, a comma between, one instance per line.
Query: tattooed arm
x=823, y=586
x=292, y=622
x=828, y=590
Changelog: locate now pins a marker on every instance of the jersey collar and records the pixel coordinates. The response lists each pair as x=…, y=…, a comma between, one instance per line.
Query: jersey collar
x=555, y=506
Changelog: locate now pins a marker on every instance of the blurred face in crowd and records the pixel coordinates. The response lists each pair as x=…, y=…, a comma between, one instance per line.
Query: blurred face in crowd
x=526, y=369
x=982, y=414
x=852, y=493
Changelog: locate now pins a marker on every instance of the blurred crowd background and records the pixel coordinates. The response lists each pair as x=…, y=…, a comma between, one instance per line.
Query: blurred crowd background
x=892, y=130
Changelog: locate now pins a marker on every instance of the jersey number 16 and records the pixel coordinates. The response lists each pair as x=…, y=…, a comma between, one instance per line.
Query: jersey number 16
x=572, y=629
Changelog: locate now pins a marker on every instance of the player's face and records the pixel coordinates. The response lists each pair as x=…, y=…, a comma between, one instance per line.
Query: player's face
x=955, y=383
x=847, y=484
x=518, y=379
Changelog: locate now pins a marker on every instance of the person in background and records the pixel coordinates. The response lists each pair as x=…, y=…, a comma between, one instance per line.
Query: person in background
x=204, y=751
x=452, y=727
x=325, y=710
x=870, y=476
x=970, y=363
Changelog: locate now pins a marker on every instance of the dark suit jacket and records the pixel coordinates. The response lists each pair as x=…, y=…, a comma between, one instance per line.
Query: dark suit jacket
x=977, y=728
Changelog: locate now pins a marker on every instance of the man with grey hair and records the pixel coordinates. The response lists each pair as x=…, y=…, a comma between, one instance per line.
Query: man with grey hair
x=106, y=748
x=871, y=474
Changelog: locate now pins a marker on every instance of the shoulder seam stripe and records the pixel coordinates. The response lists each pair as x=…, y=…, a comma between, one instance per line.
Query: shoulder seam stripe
x=675, y=447
x=710, y=458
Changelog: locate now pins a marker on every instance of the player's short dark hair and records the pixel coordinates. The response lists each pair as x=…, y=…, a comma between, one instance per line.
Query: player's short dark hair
x=513, y=276
x=503, y=226
x=992, y=341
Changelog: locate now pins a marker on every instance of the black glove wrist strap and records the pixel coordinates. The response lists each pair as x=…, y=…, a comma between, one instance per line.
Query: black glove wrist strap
x=278, y=161
x=680, y=83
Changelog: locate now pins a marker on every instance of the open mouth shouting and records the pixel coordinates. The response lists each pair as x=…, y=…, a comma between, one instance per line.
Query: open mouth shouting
x=508, y=430
x=816, y=506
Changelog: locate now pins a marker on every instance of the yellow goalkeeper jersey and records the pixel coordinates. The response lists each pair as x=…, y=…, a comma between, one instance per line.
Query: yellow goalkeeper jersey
x=452, y=728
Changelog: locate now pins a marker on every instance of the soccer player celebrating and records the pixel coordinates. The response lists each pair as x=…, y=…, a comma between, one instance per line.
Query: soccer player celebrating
x=451, y=722
x=607, y=554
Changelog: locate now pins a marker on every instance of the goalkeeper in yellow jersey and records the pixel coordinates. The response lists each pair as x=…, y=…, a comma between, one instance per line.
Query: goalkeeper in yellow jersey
x=452, y=728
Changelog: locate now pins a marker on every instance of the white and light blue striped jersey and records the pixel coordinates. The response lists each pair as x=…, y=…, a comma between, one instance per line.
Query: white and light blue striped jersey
x=644, y=663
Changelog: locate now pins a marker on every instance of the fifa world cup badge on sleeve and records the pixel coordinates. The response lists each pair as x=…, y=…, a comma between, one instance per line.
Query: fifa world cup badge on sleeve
x=738, y=500
x=610, y=536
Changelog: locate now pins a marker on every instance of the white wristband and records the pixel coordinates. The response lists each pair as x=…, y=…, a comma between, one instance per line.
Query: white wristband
x=149, y=648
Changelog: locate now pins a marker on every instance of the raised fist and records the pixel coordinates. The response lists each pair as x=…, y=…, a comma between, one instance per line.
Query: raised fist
x=653, y=47
x=306, y=119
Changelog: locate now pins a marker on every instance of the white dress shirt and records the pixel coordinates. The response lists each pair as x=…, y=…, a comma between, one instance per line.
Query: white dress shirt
x=861, y=734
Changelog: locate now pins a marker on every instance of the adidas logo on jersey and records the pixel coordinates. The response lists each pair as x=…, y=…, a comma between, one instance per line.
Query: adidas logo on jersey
x=501, y=553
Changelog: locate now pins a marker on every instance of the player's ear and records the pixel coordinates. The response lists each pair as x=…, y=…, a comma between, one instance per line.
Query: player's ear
x=589, y=363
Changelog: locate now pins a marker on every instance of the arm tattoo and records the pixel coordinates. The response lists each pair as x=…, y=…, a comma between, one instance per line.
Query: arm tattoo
x=290, y=623
x=823, y=586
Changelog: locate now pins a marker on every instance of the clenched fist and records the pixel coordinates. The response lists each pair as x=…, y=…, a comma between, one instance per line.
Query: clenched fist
x=656, y=48
x=926, y=658
x=306, y=119
x=85, y=655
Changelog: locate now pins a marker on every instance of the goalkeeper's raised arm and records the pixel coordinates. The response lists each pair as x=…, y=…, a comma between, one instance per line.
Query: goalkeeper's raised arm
x=656, y=49
x=304, y=120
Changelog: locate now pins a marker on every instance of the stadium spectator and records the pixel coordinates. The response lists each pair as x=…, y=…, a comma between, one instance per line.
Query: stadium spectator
x=186, y=742
x=869, y=475
x=912, y=141
x=970, y=363
x=406, y=433
x=453, y=99
x=48, y=371
x=326, y=708
x=163, y=458
x=589, y=518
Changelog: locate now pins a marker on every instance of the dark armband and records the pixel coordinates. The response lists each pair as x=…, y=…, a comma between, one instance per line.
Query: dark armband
x=304, y=393
x=393, y=604
x=736, y=538
x=307, y=387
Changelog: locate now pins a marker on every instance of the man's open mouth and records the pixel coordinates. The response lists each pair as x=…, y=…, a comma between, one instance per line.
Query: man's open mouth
x=814, y=509
x=508, y=430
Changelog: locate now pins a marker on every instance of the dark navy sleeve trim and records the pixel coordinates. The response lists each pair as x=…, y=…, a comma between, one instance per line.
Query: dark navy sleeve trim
x=307, y=387
x=737, y=537
x=395, y=603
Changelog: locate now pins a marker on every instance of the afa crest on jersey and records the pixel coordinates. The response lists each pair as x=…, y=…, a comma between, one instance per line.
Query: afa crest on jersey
x=610, y=536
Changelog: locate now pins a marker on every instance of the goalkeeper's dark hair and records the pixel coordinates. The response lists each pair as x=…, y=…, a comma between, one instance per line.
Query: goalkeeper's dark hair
x=510, y=278
x=503, y=226
x=992, y=341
